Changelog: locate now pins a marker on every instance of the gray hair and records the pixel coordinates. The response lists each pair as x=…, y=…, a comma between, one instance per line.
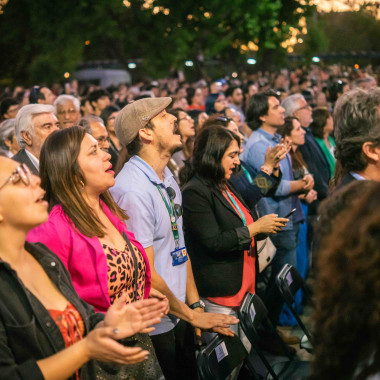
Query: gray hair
x=85, y=122
x=290, y=104
x=62, y=99
x=7, y=131
x=356, y=121
x=24, y=119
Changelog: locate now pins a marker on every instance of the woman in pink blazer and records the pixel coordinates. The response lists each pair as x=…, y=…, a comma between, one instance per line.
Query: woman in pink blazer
x=85, y=227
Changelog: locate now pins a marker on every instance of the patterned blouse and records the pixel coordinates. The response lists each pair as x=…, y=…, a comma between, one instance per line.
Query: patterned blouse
x=121, y=271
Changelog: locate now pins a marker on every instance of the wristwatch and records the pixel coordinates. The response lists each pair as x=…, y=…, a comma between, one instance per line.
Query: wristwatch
x=197, y=304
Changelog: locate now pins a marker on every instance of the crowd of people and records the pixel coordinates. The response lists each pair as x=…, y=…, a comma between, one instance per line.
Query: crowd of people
x=132, y=220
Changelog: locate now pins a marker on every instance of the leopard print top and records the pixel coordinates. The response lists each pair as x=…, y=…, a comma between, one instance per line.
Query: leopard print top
x=120, y=268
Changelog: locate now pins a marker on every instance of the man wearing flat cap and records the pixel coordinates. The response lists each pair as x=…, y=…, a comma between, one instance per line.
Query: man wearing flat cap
x=146, y=189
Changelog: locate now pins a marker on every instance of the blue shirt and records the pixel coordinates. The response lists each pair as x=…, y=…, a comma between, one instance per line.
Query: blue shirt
x=282, y=202
x=135, y=192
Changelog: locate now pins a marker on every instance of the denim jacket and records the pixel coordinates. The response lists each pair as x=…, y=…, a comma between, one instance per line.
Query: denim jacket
x=27, y=331
x=282, y=202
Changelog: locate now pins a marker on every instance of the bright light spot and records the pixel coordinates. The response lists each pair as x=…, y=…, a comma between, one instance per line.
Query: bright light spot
x=300, y=40
x=234, y=75
x=132, y=65
x=126, y=3
x=252, y=46
x=66, y=75
x=207, y=14
x=316, y=59
x=166, y=11
x=356, y=66
x=156, y=10
x=251, y=61
x=290, y=49
x=189, y=63
x=189, y=17
x=87, y=42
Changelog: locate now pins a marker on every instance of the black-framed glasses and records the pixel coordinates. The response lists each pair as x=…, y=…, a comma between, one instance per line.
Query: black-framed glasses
x=178, y=210
x=305, y=107
x=22, y=173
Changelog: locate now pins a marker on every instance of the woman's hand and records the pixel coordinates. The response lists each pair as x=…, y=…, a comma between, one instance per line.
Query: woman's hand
x=309, y=181
x=129, y=319
x=154, y=293
x=274, y=155
x=268, y=224
x=311, y=196
x=100, y=344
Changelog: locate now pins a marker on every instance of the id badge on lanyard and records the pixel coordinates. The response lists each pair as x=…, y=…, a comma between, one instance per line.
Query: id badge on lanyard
x=179, y=255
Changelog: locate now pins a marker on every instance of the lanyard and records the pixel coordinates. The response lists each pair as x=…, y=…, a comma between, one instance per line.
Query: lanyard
x=237, y=207
x=173, y=220
x=246, y=172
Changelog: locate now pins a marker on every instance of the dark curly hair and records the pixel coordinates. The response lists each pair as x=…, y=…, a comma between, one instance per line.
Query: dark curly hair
x=347, y=314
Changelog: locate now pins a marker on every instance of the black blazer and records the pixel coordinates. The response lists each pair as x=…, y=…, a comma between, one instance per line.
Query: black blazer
x=215, y=237
x=27, y=331
x=346, y=180
x=23, y=158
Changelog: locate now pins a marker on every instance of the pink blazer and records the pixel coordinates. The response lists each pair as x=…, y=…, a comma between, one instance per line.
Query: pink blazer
x=84, y=256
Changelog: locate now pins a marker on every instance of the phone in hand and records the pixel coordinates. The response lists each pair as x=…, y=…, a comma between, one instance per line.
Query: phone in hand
x=290, y=213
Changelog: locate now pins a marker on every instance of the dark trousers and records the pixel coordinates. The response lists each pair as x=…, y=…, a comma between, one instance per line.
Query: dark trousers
x=175, y=352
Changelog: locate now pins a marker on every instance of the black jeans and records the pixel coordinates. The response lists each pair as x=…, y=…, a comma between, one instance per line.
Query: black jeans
x=175, y=352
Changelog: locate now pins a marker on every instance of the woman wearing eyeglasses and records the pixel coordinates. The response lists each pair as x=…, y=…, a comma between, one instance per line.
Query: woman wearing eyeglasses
x=219, y=229
x=187, y=132
x=85, y=227
x=46, y=330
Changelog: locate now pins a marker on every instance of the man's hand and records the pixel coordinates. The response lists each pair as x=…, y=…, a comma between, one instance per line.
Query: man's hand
x=208, y=321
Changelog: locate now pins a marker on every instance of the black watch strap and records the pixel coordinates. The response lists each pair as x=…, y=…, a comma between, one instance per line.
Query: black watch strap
x=197, y=304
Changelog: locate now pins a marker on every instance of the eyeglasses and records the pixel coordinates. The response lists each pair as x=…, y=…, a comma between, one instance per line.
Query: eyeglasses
x=305, y=107
x=22, y=173
x=178, y=210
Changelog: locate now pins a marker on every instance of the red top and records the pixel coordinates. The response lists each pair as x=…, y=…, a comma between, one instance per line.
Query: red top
x=199, y=108
x=70, y=324
x=249, y=272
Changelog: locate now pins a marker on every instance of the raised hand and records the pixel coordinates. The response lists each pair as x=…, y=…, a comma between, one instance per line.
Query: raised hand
x=100, y=344
x=274, y=155
x=134, y=317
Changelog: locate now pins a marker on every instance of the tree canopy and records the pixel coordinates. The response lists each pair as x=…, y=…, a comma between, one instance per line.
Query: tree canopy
x=43, y=39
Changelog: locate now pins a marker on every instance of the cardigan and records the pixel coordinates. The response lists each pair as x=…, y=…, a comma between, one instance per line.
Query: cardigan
x=28, y=333
x=215, y=237
x=84, y=256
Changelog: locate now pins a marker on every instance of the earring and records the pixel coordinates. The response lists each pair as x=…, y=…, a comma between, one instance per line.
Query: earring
x=82, y=185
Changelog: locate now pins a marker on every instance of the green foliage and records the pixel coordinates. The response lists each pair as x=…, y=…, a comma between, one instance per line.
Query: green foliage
x=42, y=39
